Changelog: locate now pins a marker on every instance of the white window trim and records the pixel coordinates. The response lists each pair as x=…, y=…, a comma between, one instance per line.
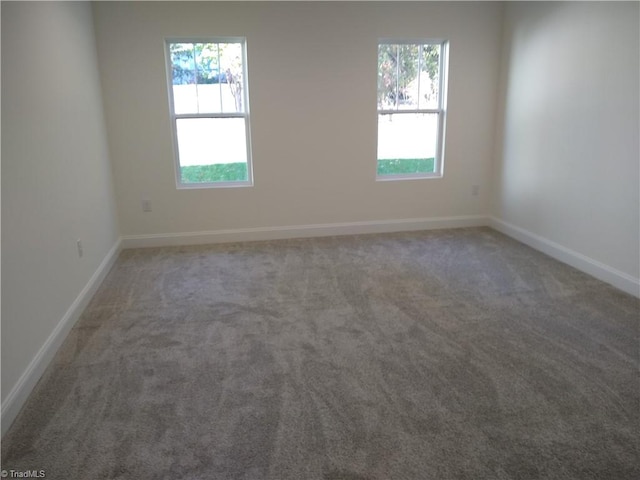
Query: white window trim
x=174, y=117
x=441, y=111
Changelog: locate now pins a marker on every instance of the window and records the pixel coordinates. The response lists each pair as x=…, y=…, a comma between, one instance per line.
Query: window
x=209, y=112
x=411, y=109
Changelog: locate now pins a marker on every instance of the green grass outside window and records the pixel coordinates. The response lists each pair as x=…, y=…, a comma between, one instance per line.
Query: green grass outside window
x=405, y=166
x=221, y=172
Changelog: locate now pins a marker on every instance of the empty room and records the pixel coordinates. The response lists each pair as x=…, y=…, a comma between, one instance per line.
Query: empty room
x=320, y=240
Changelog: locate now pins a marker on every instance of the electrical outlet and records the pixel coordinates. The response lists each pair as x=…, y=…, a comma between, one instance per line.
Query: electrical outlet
x=475, y=190
x=146, y=205
x=80, y=249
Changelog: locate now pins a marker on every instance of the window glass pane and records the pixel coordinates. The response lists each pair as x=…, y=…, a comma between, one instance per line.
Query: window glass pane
x=183, y=76
x=387, y=76
x=207, y=77
x=398, y=84
x=429, y=81
x=207, y=62
x=231, y=77
x=407, y=143
x=212, y=149
x=408, y=76
x=208, y=66
x=405, y=97
x=182, y=63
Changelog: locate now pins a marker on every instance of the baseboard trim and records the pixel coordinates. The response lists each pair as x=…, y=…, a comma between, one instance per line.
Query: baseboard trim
x=300, y=231
x=28, y=380
x=588, y=265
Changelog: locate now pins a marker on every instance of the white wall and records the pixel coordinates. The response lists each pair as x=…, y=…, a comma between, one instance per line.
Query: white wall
x=312, y=85
x=56, y=184
x=567, y=170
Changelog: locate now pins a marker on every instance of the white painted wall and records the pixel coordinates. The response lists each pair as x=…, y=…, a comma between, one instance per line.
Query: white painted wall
x=312, y=86
x=567, y=168
x=56, y=182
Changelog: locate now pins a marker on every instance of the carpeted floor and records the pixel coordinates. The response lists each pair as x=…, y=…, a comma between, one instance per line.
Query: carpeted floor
x=452, y=354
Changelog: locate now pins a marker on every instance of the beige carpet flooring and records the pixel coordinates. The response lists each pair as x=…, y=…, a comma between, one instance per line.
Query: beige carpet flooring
x=452, y=354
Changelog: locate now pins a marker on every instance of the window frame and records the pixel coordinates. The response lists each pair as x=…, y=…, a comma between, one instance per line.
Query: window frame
x=441, y=111
x=174, y=117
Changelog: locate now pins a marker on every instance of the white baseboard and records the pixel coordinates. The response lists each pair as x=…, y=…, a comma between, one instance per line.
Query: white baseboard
x=596, y=269
x=300, y=231
x=20, y=392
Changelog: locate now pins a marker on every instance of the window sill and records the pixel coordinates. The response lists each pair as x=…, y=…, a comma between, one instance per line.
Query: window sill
x=421, y=176
x=193, y=186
